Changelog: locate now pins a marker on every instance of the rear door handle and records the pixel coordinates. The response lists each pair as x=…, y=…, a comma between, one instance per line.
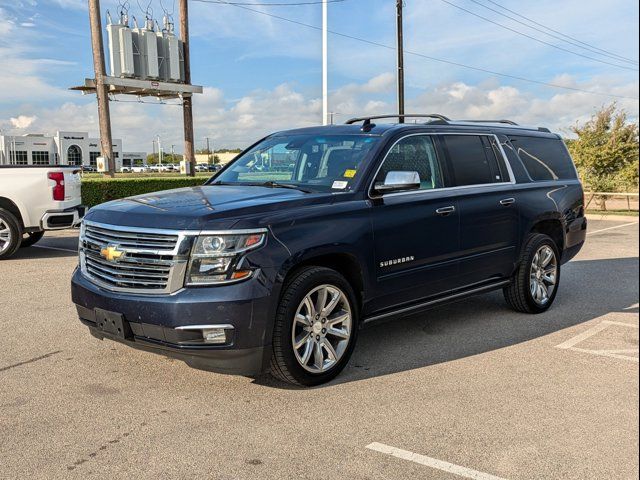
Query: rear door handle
x=507, y=201
x=444, y=211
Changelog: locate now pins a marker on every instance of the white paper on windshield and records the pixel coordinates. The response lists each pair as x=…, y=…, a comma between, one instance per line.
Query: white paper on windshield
x=339, y=185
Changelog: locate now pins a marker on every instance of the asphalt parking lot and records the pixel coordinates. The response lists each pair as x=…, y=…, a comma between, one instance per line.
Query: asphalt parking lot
x=468, y=390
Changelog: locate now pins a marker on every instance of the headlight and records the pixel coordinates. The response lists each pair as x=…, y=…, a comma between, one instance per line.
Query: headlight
x=214, y=257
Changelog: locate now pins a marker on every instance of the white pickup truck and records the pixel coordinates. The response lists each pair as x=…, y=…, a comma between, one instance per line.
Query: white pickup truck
x=36, y=199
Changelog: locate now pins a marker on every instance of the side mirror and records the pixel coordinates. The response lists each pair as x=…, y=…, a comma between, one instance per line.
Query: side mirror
x=397, y=181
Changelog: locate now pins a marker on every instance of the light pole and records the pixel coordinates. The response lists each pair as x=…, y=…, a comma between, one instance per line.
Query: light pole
x=325, y=76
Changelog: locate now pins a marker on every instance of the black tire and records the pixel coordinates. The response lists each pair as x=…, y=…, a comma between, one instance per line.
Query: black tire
x=518, y=293
x=31, y=238
x=284, y=364
x=12, y=244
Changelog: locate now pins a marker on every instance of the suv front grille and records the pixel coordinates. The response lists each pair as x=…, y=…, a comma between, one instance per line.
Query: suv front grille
x=133, y=260
x=100, y=235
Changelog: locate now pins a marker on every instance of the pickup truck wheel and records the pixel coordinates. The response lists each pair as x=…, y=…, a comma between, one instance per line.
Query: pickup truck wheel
x=31, y=238
x=315, y=327
x=535, y=283
x=10, y=234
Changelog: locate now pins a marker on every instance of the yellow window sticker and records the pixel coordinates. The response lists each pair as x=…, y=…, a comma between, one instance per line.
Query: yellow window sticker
x=349, y=173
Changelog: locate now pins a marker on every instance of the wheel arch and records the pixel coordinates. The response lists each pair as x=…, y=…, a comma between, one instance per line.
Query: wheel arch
x=345, y=263
x=11, y=207
x=552, y=227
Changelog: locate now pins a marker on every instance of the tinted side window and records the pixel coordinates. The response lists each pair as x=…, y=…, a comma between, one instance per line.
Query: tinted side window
x=415, y=153
x=472, y=162
x=544, y=158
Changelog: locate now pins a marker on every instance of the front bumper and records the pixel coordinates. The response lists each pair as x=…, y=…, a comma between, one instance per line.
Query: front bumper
x=154, y=322
x=61, y=219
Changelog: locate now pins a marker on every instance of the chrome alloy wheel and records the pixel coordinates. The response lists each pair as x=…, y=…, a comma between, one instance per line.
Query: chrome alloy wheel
x=5, y=236
x=543, y=274
x=321, y=328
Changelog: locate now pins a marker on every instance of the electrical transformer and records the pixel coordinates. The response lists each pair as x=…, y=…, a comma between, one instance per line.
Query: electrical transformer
x=120, y=47
x=145, y=51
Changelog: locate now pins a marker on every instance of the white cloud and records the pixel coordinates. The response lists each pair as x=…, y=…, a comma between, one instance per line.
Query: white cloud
x=22, y=121
x=241, y=122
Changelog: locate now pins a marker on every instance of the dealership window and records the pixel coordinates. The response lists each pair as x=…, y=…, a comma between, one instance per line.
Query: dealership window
x=74, y=155
x=40, y=158
x=93, y=158
x=19, y=157
x=472, y=161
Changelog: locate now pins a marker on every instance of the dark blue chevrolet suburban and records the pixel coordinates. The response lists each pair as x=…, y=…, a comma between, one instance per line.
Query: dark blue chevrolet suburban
x=275, y=263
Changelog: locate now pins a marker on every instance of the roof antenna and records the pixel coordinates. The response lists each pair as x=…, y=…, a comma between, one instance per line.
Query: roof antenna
x=367, y=126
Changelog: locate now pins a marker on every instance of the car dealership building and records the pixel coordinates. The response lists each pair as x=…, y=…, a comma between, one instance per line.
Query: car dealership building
x=64, y=148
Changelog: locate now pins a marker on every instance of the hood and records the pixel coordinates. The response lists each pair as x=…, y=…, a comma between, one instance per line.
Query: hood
x=192, y=208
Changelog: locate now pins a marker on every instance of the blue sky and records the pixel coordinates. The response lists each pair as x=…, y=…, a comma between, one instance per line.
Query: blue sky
x=261, y=73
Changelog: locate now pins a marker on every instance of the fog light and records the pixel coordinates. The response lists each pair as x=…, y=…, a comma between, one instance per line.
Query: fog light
x=214, y=335
x=211, y=334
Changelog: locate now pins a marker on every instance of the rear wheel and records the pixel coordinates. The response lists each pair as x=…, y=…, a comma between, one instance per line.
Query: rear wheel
x=315, y=328
x=10, y=234
x=535, y=283
x=31, y=238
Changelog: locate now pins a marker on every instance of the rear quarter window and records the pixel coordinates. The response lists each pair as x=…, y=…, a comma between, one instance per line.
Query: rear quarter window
x=544, y=158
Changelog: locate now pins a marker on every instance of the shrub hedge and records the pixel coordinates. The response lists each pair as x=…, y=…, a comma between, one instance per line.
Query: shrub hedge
x=100, y=190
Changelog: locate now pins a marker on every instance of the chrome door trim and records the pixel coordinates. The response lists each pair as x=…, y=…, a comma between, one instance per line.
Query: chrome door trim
x=511, y=181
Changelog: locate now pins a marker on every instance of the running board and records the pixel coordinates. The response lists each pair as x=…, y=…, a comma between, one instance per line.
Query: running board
x=466, y=293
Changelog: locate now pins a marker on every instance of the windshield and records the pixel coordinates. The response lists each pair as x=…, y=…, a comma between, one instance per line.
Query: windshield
x=311, y=162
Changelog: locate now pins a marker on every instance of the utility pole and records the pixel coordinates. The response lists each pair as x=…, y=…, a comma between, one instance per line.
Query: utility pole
x=102, y=92
x=399, y=5
x=325, y=74
x=187, y=100
x=208, y=151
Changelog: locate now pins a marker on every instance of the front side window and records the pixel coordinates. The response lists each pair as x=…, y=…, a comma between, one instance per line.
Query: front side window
x=311, y=162
x=415, y=153
x=472, y=160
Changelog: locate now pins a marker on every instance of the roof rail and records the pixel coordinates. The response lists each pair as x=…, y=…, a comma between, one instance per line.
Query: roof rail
x=509, y=122
x=367, y=120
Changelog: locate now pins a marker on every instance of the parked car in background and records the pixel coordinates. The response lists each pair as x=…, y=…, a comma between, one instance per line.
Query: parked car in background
x=277, y=268
x=202, y=167
x=34, y=200
x=141, y=169
x=215, y=167
x=88, y=169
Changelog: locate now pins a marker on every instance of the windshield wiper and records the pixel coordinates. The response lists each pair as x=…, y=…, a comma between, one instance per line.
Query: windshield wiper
x=272, y=184
x=268, y=184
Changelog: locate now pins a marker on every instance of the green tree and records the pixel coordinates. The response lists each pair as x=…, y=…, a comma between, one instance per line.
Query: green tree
x=606, y=152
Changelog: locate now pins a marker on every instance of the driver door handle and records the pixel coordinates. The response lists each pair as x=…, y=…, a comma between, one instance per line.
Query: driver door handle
x=507, y=201
x=444, y=211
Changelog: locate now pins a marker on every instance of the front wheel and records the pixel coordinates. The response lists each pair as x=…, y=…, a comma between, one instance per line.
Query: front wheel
x=315, y=327
x=535, y=283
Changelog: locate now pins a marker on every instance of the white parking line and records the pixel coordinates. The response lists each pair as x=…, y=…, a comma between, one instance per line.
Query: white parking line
x=431, y=462
x=622, y=354
x=611, y=228
x=56, y=248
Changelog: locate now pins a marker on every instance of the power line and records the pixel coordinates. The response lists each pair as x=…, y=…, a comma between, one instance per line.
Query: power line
x=416, y=54
x=558, y=37
x=275, y=4
x=560, y=33
x=536, y=39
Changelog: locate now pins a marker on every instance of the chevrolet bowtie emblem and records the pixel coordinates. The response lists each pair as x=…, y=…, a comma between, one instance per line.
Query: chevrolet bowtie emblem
x=111, y=253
